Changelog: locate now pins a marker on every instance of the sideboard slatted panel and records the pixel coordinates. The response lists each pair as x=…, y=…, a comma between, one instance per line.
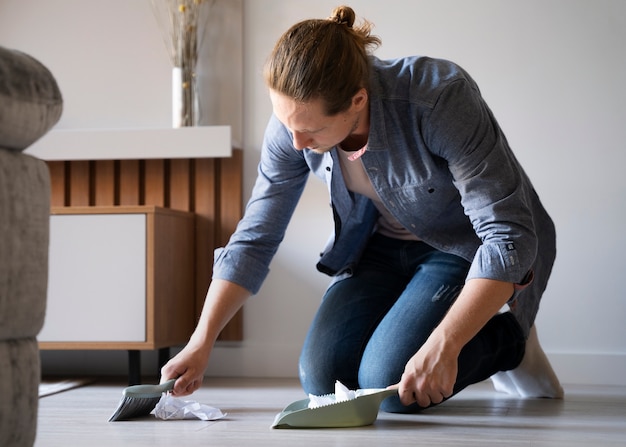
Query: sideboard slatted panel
x=211, y=188
x=128, y=180
x=79, y=181
x=104, y=182
x=180, y=184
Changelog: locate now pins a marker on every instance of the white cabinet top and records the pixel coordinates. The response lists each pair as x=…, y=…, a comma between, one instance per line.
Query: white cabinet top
x=134, y=144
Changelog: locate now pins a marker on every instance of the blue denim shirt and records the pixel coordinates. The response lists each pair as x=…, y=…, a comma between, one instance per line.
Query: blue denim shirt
x=438, y=160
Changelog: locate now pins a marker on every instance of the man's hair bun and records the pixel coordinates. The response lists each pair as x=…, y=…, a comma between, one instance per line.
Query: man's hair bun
x=343, y=15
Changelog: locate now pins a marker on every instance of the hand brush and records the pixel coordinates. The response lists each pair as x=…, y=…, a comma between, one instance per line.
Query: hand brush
x=140, y=400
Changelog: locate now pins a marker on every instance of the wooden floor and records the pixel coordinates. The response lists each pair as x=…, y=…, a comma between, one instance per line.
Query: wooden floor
x=588, y=416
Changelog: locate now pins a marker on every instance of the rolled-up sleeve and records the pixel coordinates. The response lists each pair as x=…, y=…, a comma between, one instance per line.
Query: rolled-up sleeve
x=282, y=176
x=493, y=186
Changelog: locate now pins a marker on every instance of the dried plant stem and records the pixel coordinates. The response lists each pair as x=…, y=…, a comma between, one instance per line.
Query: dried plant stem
x=180, y=22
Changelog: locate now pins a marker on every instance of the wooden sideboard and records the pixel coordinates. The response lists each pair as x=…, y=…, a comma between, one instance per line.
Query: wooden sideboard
x=119, y=278
x=208, y=188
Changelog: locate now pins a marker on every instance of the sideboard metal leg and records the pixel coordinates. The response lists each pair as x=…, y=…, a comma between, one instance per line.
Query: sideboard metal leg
x=134, y=367
x=164, y=356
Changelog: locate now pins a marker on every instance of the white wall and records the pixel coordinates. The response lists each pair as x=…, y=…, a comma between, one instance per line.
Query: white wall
x=112, y=65
x=551, y=70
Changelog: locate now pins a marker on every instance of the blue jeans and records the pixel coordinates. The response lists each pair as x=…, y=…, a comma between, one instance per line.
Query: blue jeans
x=369, y=325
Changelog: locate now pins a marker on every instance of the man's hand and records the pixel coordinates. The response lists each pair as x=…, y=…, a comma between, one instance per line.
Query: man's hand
x=429, y=375
x=223, y=300
x=188, y=367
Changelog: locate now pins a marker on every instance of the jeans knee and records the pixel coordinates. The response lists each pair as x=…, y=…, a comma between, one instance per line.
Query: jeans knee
x=316, y=373
x=307, y=375
x=379, y=371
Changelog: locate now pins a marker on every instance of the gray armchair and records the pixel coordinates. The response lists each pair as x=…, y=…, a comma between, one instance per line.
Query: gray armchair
x=30, y=104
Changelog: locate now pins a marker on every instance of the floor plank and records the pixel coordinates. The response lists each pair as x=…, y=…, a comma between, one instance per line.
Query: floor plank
x=588, y=416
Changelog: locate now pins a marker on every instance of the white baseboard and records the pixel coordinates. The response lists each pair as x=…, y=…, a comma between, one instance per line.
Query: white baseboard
x=248, y=360
x=590, y=368
x=571, y=368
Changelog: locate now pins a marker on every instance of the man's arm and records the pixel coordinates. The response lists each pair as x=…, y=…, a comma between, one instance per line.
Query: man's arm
x=222, y=302
x=431, y=373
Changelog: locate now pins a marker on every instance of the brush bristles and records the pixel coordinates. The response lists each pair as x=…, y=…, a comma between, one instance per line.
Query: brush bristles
x=133, y=407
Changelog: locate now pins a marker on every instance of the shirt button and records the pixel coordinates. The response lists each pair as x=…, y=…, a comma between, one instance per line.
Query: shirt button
x=328, y=168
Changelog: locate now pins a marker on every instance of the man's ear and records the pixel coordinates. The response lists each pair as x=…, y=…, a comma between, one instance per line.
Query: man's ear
x=359, y=100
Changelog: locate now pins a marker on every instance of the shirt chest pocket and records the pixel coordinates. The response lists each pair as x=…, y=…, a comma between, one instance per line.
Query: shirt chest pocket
x=420, y=205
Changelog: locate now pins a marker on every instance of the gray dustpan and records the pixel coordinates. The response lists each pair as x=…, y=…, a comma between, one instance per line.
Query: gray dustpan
x=357, y=412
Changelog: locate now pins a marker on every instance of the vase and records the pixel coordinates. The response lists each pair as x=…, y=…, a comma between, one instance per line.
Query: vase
x=185, y=110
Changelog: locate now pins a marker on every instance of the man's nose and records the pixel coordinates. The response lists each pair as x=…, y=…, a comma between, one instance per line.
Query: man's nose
x=300, y=140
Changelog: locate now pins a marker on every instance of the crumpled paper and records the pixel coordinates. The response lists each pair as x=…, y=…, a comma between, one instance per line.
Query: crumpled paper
x=171, y=408
x=342, y=393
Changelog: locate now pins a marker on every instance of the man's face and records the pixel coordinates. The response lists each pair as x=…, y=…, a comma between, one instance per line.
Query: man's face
x=311, y=129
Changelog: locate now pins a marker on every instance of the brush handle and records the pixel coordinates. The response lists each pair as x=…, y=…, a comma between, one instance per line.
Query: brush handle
x=149, y=391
